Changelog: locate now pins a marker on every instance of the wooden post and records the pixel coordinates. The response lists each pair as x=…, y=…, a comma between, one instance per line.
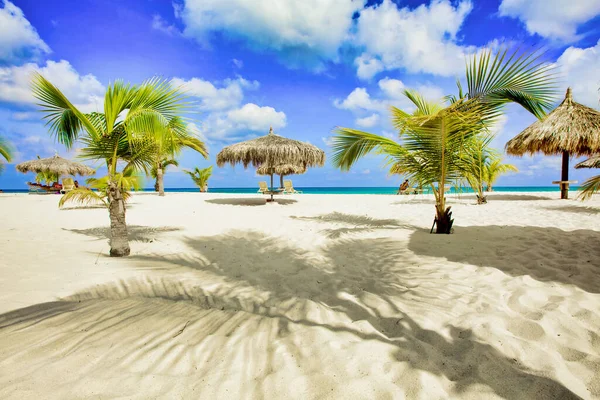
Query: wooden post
x=271, y=187
x=564, y=187
x=280, y=181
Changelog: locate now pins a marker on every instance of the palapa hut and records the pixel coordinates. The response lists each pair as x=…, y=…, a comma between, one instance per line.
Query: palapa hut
x=571, y=129
x=281, y=170
x=55, y=165
x=272, y=150
x=592, y=162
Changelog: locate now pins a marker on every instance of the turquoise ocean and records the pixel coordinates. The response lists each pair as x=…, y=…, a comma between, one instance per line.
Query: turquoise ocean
x=346, y=190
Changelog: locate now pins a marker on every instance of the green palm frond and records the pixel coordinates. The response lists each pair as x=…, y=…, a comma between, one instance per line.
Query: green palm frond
x=589, y=187
x=520, y=78
x=5, y=150
x=65, y=121
x=82, y=196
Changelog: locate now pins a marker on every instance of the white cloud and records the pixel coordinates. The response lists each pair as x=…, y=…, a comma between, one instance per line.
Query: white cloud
x=368, y=122
x=393, y=88
x=159, y=24
x=19, y=41
x=419, y=40
x=229, y=95
x=85, y=91
x=581, y=71
x=328, y=140
x=359, y=99
x=300, y=28
x=256, y=118
x=367, y=66
x=554, y=19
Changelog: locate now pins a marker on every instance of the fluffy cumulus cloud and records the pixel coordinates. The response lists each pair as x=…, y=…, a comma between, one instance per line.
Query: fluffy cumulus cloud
x=223, y=96
x=580, y=68
x=368, y=122
x=307, y=28
x=370, y=110
x=554, y=19
x=19, y=41
x=226, y=117
x=421, y=40
x=85, y=91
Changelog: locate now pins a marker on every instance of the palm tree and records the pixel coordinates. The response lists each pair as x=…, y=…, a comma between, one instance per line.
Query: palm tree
x=200, y=177
x=435, y=140
x=589, y=187
x=171, y=139
x=5, y=152
x=161, y=165
x=112, y=136
x=493, y=171
x=477, y=161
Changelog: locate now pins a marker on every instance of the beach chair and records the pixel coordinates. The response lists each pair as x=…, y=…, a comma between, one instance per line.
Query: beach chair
x=67, y=185
x=288, y=188
x=262, y=187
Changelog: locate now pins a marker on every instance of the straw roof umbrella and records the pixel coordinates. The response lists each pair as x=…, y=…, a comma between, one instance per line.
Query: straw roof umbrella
x=592, y=162
x=281, y=170
x=271, y=149
x=56, y=165
x=571, y=129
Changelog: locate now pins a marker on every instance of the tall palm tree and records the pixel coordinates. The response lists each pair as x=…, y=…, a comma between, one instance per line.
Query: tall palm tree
x=435, y=139
x=112, y=136
x=171, y=139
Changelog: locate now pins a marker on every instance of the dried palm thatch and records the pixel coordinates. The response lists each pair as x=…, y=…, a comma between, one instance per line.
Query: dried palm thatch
x=571, y=127
x=281, y=169
x=271, y=149
x=592, y=162
x=56, y=165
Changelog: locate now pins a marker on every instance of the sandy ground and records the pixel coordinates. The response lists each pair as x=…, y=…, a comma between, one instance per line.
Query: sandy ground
x=319, y=296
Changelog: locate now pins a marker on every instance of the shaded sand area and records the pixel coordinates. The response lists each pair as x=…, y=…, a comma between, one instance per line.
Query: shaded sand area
x=320, y=296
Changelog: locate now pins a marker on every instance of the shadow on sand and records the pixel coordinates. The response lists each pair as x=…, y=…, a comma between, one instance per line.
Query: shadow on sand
x=546, y=254
x=354, y=223
x=351, y=287
x=575, y=209
x=145, y=234
x=250, y=201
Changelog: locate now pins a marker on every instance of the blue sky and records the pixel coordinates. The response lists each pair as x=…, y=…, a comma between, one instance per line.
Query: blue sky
x=302, y=67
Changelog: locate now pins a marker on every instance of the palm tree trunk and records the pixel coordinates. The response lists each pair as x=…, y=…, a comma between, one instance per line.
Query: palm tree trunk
x=443, y=216
x=159, y=178
x=156, y=184
x=119, y=242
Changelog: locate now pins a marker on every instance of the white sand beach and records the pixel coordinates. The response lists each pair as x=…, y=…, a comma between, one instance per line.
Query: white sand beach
x=316, y=297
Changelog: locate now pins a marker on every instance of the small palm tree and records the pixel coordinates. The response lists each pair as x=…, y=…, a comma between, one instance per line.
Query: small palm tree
x=170, y=140
x=200, y=177
x=493, y=171
x=436, y=140
x=161, y=165
x=113, y=137
x=477, y=161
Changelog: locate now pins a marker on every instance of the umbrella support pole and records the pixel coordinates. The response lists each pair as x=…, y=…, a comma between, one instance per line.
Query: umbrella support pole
x=564, y=188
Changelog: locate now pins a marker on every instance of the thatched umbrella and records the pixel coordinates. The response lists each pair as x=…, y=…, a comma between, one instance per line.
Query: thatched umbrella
x=55, y=165
x=571, y=129
x=273, y=150
x=592, y=162
x=281, y=170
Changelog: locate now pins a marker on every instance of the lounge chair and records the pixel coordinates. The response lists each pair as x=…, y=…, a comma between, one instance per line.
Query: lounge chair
x=67, y=185
x=36, y=188
x=262, y=187
x=288, y=188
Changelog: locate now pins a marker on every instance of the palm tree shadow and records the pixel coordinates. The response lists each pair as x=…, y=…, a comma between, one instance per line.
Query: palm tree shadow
x=270, y=289
x=353, y=223
x=250, y=201
x=144, y=234
x=575, y=209
x=546, y=254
